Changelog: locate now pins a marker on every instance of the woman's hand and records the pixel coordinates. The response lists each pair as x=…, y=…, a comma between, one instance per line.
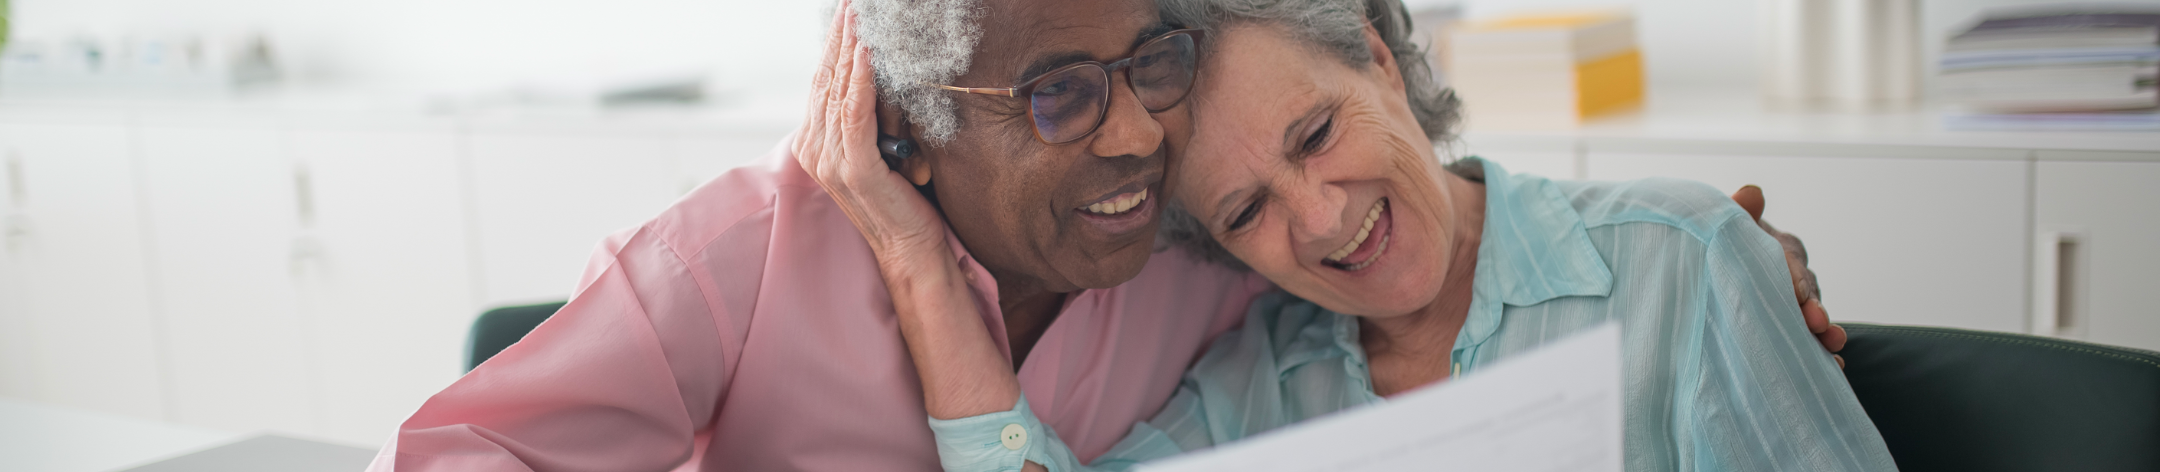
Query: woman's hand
x=837, y=146
x=963, y=371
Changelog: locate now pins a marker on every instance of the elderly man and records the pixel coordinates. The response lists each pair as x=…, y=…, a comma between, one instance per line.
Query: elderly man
x=749, y=321
x=749, y=326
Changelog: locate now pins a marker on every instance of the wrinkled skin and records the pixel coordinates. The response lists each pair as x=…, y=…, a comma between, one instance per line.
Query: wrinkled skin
x=1012, y=200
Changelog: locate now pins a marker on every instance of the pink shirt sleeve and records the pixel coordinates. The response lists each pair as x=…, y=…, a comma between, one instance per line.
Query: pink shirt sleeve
x=594, y=388
x=625, y=376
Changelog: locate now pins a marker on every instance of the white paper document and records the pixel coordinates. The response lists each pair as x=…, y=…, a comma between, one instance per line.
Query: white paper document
x=1554, y=409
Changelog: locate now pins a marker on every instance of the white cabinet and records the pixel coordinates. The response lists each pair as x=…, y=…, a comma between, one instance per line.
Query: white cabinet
x=1558, y=159
x=2107, y=254
x=543, y=202
x=1904, y=235
x=316, y=274
x=77, y=309
x=223, y=243
x=700, y=158
x=385, y=282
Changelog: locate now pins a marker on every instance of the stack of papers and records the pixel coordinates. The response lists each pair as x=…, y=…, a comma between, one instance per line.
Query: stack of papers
x=1557, y=409
x=2059, y=67
x=1542, y=71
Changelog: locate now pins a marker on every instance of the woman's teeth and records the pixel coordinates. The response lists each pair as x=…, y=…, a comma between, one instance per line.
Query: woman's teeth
x=1119, y=205
x=1371, y=217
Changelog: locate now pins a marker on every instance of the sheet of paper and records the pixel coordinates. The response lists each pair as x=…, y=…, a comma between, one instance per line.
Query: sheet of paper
x=1554, y=409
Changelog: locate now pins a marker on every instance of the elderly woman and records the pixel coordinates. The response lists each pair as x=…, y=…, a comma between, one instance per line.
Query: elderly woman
x=1311, y=160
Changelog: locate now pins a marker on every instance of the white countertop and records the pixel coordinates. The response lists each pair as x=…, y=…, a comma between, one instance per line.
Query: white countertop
x=1710, y=114
x=36, y=437
x=1739, y=115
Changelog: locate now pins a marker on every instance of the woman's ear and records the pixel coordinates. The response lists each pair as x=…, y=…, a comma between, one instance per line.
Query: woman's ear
x=1382, y=57
x=892, y=121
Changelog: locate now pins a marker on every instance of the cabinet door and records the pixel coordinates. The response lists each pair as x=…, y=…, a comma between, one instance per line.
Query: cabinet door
x=700, y=158
x=385, y=281
x=544, y=202
x=2109, y=266
x=81, y=332
x=1895, y=235
x=222, y=221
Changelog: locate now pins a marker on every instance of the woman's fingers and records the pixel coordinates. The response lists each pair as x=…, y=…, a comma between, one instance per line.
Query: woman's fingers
x=820, y=81
x=860, y=109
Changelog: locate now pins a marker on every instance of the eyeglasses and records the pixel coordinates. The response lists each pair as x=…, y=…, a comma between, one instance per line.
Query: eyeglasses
x=1069, y=103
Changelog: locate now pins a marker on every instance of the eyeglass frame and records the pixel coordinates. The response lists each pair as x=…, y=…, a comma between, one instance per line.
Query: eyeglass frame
x=1109, y=70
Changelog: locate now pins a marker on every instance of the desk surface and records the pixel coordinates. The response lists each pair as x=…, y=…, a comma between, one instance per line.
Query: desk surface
x=45, y=438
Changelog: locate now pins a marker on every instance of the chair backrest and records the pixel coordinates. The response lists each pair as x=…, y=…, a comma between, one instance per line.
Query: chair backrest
x=497, y=329
x=1960, y=400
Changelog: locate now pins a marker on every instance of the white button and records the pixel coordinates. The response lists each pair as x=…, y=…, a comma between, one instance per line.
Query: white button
x=1014, y=437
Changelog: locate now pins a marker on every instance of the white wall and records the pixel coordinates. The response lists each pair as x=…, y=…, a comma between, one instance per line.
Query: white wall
x=751, y=46
x=459, y=45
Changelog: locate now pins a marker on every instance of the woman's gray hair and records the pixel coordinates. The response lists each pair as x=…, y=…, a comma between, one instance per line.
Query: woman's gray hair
x=1336, y=27
x=918, y=42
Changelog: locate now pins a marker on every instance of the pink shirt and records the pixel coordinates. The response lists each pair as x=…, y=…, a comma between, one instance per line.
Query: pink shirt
x=747, y=326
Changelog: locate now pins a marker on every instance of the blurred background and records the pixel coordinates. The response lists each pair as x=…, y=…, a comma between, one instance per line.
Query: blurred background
x=226, y=217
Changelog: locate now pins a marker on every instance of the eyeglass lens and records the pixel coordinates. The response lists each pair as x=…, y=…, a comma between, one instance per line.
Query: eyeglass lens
x=1069, y=103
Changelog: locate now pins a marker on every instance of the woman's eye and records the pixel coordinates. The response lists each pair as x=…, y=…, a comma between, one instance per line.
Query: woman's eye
x=1246, y=215
x=1319, y=137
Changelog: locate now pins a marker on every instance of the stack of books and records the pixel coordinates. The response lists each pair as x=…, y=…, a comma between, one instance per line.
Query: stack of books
x=1545, y=71
x=2059, y=67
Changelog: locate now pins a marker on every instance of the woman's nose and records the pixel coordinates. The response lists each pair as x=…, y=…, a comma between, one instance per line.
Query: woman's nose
x=1316, y=210
x=1127, y=130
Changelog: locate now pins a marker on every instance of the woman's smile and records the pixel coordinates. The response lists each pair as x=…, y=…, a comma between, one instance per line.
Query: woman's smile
x=1369, y=244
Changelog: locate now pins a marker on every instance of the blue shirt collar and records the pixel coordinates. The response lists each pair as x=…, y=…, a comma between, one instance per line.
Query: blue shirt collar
x=1534, y=248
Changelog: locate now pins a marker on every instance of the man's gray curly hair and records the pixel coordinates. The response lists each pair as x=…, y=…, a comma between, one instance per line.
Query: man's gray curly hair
x=917, y=42
x=1336, y=27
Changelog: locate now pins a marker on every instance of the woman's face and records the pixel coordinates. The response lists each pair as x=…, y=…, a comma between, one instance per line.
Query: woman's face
x=1316, y=174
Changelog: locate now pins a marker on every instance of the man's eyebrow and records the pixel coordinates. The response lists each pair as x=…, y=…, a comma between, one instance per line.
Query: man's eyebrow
x=1045, y=64
x=1151, y=32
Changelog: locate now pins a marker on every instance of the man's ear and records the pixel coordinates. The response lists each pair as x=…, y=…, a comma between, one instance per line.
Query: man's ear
x=916, y=169
x=1382, y=57
x=892, y=121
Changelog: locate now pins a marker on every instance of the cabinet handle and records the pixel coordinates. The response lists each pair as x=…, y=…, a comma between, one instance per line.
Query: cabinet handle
x=2057, y=256
x=17, y=224
x=307, y=251
x=304, y=196
x=18, y=191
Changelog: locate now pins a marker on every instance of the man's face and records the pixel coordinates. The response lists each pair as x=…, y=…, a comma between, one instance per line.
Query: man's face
x=1043, y=214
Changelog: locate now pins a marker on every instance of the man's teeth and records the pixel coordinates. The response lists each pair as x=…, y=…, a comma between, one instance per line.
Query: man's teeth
x=1370, y=218
x=1119, y=205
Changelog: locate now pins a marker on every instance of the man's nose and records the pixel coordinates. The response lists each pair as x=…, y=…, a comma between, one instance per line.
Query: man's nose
x=1127, y=129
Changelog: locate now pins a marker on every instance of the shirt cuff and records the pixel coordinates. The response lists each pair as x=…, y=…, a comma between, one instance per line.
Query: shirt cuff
x=992, y=442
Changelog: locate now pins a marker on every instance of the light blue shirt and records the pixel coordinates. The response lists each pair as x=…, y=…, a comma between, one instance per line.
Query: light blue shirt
x=1720, y=372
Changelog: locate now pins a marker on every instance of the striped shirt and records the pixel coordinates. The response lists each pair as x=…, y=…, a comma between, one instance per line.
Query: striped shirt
x=1720, y=372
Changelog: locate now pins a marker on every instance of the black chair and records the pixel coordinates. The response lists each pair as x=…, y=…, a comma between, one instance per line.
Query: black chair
x=497, y=329
x=1959, y=400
